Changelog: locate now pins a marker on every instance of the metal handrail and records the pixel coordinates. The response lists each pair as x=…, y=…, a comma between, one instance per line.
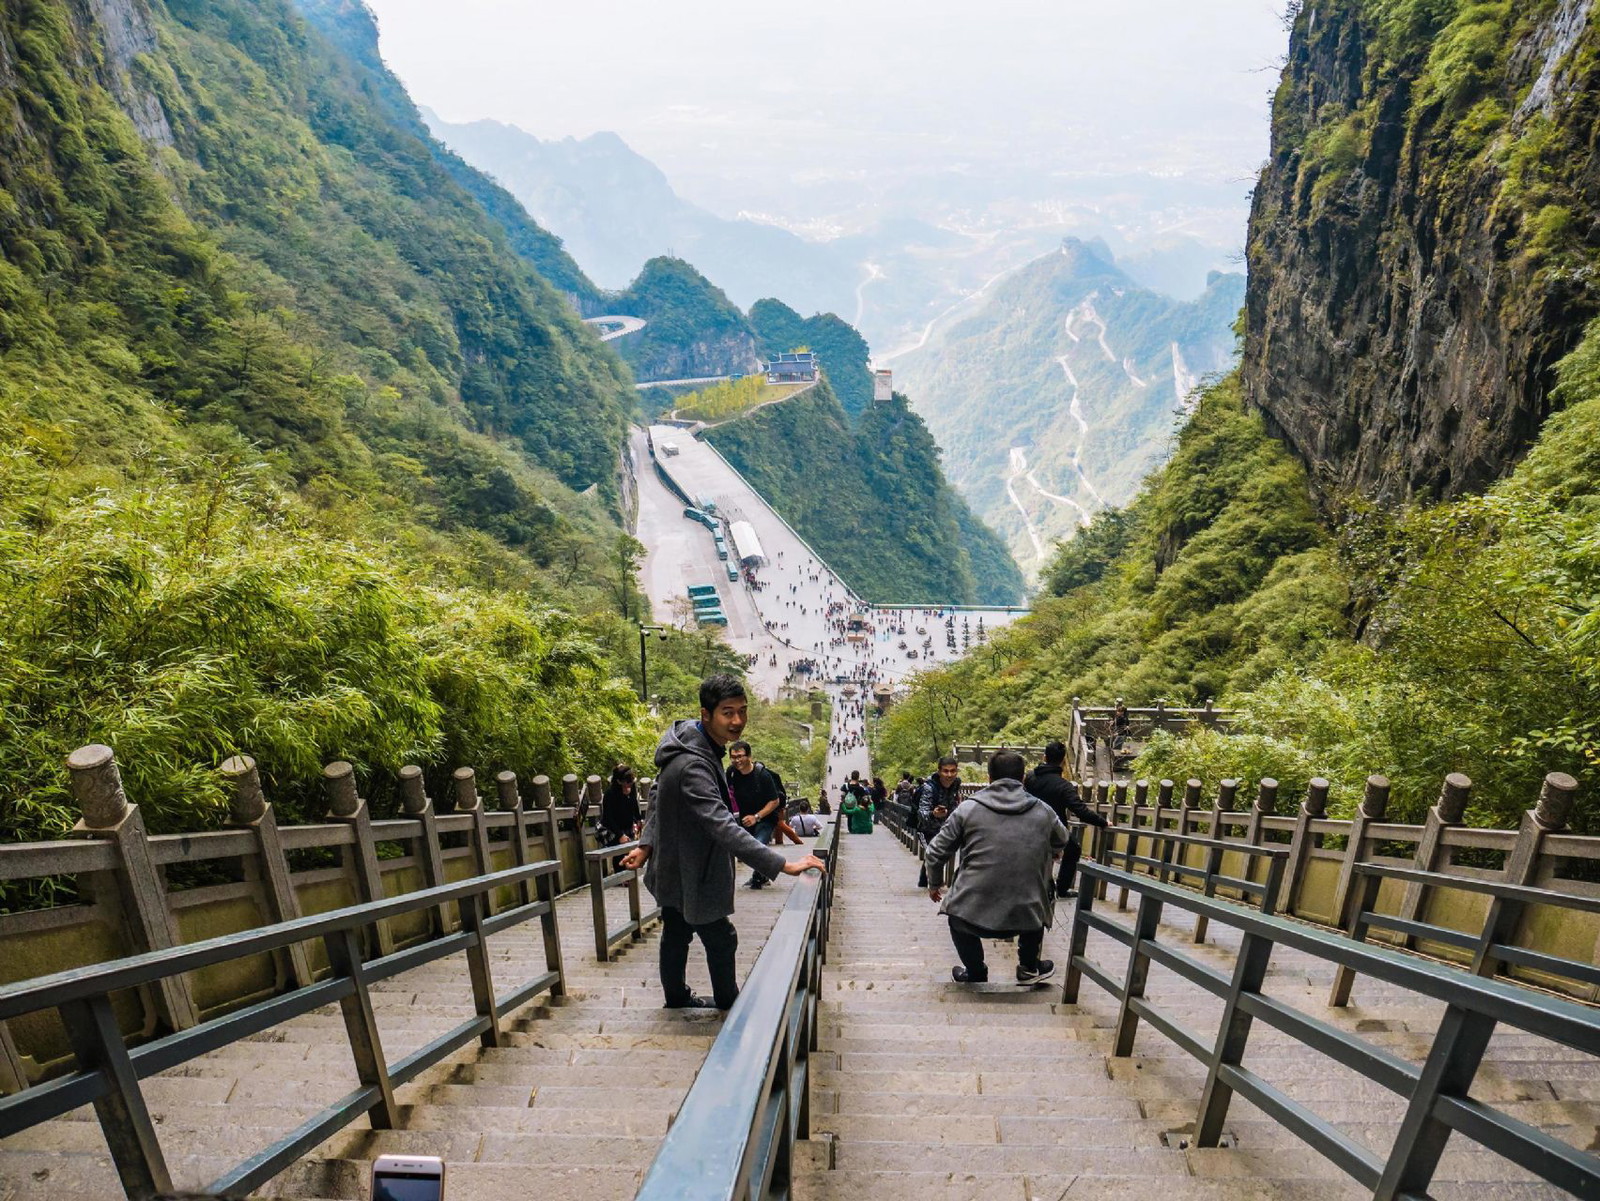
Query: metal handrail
x=109, y=1071
x=1491, y=948
x=1166, y=865
x=734, y=1134
x=633, y=929
x=1438, y=1091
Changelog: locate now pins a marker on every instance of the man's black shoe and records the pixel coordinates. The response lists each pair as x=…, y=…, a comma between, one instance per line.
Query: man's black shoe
x=1071, y=892
x=1040, y=971
x=755, y=882
x=960, y=976
x=693, y=1002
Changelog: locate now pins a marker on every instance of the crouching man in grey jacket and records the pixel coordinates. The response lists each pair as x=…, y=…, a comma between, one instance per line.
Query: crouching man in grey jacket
x=690, y=838
x=1003, y=887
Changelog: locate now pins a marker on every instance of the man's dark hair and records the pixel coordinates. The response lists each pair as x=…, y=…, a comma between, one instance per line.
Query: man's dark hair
x=718, y=688
x=1006, y=765
x=949, y=761
x=1055, y=752
x=741, y=745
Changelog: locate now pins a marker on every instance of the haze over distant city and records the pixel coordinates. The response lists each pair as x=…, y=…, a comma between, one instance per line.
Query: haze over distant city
x=827, y=116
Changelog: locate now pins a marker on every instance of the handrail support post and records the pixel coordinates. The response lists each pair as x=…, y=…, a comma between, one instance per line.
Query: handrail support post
x=361, y=1026
x=124, y=1118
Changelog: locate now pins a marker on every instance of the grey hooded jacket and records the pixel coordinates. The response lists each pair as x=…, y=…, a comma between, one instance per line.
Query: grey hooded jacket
x=1006, y=839
x=692, y=835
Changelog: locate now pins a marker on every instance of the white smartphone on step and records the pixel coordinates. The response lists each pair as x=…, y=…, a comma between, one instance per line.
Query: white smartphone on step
x=408, y=1178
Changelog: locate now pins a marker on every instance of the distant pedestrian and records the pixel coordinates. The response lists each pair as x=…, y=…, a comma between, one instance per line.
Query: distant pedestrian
x=619, y=807
x=1050, y=785
x=937, y=799
x=1002, y=889
x=690, y=838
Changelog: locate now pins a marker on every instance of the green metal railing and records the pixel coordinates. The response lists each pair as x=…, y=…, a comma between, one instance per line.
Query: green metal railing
x=734, y=1135
x=1438, y=1091
x=605, y=938
x=108, y=1070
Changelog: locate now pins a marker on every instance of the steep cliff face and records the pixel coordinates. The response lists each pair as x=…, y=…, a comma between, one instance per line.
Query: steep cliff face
x=1423, y=242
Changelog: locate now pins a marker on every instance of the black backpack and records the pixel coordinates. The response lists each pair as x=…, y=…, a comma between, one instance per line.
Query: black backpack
x=777, y=782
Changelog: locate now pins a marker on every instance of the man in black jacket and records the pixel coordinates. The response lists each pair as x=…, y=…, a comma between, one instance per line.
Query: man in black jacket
x=937, y=800
x=1053, y=788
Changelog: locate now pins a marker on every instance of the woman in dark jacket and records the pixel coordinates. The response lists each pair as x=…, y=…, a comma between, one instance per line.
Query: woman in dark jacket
x=619, y=808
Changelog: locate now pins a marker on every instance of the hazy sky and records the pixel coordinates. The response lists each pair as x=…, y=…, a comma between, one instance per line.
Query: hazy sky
x=1147, y=86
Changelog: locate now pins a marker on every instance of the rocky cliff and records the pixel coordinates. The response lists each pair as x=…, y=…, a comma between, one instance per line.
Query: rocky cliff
x=1422, y=244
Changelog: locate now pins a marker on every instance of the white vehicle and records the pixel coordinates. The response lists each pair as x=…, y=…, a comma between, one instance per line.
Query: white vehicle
x=669, y=448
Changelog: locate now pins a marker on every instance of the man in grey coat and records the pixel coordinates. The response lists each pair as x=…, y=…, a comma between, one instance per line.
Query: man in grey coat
x=1003, y=887
x=690, y=838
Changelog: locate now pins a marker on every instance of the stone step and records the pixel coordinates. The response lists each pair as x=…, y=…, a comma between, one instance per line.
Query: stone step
x=1043, y=1186
x=472, y=1112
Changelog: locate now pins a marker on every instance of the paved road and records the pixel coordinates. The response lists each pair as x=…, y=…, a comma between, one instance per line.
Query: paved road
x=791, y=617
x=627, y=325
x=666, y=383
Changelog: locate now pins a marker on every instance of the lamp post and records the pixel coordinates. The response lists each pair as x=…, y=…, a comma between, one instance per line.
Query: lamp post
x=644, y=670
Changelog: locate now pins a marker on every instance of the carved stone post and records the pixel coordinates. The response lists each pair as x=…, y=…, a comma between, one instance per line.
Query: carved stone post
x=511, y=802
x=543, y=801
x=1301, y=842
x=1347, y=895
x=108, y=815
x=572, y=865
x=1264, y=806
x=1451, y=807
x=249, y=809
x=468, y=802
x=589, y=808
x=346, y=805
x=1500, y=928
x=1227, y=793
x=417, y=805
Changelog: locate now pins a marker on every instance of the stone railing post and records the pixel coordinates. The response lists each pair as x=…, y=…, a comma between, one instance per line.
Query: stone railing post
x=417, y=805
x=505, y=784
x=571, y=795
x=108, y=815
x=1556, y=797
x=1347, y=895
x=1301, y=842
x=248, y=808
x=469, y=802
x=1450, y=809
x=593, y=789
x=1263, y=807
x=1227, y=793
x=646, y=789
x=345, y=805
x=1188, y=807
x=543, y=801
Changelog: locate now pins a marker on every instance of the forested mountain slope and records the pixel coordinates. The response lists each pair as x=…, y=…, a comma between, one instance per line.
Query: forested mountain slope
x=293, y=439
x=694, y=330
x=1056, y=396
x=1419, y=326
x=869, y=495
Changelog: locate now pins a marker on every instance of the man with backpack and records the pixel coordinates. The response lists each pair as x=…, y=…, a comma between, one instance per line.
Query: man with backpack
x=757, y=799
x=1049, y=783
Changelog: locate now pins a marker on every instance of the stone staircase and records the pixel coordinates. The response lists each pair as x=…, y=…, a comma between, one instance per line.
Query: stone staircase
x=934, y=1091
x=574, y=1106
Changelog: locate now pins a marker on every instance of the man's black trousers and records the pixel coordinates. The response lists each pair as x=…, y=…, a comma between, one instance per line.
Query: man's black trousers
x=969, y=946
x=720, y=940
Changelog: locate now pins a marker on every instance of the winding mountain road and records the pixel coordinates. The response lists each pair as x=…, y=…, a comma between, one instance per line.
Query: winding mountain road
x=625, y=325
